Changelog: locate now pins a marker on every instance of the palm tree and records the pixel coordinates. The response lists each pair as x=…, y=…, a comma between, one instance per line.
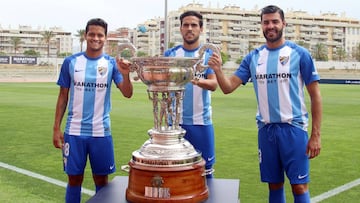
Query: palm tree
x=16, y=41
x=250, y=47
x=303, y=44
x=320, y=52
x=47, y=36
x=112, y=48
x=341, y=54
x=80, y=34
x=356, y=53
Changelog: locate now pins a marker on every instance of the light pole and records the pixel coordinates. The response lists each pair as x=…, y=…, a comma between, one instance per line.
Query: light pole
x=166, y=28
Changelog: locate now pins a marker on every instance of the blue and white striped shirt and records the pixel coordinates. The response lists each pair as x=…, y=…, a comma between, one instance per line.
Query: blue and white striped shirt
x=196, y=106
x=89, y=80
x=279, y=76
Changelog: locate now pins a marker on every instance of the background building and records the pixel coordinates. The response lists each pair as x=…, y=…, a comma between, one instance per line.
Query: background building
x=237, y=31
x=25, y=38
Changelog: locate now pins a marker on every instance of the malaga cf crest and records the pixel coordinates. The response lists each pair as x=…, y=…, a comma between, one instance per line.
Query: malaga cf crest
x=102, y=70
x=284, y=59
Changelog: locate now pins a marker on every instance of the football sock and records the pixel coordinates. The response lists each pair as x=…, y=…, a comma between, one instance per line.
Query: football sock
x=277, y=196
x=73, y=194
x=303, y=198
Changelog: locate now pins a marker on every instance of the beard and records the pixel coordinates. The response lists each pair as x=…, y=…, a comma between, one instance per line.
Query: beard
x=192, y=41
x=277, y=37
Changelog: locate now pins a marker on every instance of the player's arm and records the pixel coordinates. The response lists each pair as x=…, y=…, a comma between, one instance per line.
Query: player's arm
x=62, y=101
x=227, y=84
x=314, y=144
x=125, y=86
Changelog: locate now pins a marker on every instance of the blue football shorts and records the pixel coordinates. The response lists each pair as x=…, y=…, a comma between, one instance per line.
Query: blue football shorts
x=202, y=138
x=100, y=151
x=282, y=150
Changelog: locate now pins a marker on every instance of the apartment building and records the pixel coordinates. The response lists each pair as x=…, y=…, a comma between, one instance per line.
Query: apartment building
x=149, y=37
x=114, y=38
x=32, y=39
x=237, y=31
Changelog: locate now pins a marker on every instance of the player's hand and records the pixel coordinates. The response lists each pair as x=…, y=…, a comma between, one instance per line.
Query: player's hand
x=123, y=65
x=215, y=62
x=313, y=147
x=195, y=81
x=58, y=139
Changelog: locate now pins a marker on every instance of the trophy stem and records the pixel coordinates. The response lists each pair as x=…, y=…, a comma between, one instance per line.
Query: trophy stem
x=169, y=103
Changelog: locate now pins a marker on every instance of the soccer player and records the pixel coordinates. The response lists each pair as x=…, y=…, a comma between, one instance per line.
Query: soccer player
x=85, y=85
x=279, y=71
x=196, y=112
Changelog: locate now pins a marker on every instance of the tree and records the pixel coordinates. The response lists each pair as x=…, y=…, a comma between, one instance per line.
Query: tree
x=141, y=54
x=356, y=53
x=31, y=52
x=112, y=48
x=16, y=41
x=80, y=34
x=303, y=44
x=341, y=54
x=320, y=52
x=239, y=60
x=224, y=57
x=126, y=53
x=64, y=54
x=250, y=47
x=171, y=44
x=47, y=37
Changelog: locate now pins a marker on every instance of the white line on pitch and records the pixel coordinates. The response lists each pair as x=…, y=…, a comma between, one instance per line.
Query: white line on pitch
x=315, y=199
x=41, y=177
x=335, y=191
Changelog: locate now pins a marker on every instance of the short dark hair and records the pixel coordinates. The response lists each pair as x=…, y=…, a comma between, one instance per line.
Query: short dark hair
x=96, y=21
x=192, y=13
x=272, y=9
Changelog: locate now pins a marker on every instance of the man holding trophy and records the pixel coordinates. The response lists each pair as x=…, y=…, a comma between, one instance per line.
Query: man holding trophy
x=195, y=111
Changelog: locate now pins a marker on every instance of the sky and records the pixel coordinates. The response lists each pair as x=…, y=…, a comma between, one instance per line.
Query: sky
x=72, y=15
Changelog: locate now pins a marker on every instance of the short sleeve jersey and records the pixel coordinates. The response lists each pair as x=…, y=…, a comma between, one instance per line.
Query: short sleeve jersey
x=279, y=76
x=89, y=80
x=196, y=106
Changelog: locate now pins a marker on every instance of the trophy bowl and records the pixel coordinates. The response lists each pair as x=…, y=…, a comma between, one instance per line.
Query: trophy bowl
x=164, y=73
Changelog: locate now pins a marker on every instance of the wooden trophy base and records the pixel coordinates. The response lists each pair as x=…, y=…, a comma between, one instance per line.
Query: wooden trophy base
x=185, y=184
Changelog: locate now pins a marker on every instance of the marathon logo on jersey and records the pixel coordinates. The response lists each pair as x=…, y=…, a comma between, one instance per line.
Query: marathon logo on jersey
x=272, y=78
x=284, y=59
x=102, y=70
x=90, y=86
x=199, y=74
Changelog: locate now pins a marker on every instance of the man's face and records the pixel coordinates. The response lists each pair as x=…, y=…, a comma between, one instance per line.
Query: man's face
x=190, y=29
x=272, y=27
x=95, y=38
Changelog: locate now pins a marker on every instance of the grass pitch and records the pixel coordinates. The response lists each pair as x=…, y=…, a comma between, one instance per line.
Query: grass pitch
x=27, y=114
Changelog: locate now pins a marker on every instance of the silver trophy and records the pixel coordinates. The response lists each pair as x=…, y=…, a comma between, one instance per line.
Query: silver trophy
x=166, y=168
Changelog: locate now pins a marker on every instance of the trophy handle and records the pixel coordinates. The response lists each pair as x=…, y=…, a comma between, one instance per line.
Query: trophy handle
x=133, y=50
x=129, y=46
x=199, y=66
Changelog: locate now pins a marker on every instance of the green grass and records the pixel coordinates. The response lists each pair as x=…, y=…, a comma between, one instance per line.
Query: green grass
x=26, y=120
